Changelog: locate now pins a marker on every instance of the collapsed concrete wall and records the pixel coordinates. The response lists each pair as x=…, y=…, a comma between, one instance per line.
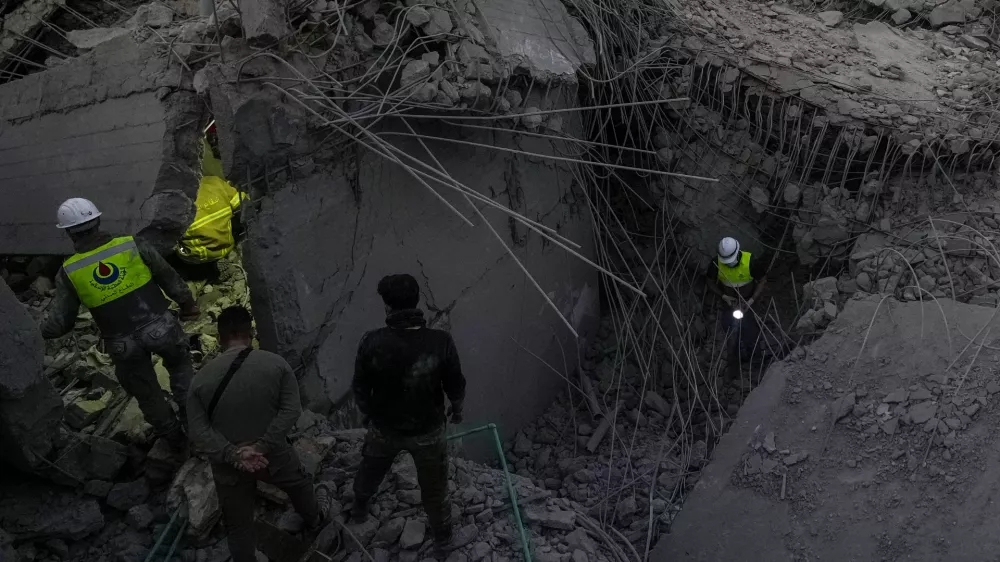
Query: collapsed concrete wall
x=329, y=219
x=319, y=247
x=112, y=126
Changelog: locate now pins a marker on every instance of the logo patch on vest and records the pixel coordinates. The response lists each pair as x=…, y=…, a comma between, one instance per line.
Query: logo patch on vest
x=106, y=274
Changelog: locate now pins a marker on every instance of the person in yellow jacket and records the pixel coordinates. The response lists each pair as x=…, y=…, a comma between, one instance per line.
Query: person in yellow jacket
x=739, y=279
x=211, y=235
x=122, y=280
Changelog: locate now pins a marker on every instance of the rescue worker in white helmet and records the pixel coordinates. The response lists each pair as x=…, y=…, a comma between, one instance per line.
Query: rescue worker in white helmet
x=122, y=281
x=739, y=279
x=736, y=276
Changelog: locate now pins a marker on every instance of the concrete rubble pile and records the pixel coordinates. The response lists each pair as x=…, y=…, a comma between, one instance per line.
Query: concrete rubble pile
x=74, y=423
x=781, y=98
x=949, y=255
x=558, y=529
x=604, y=449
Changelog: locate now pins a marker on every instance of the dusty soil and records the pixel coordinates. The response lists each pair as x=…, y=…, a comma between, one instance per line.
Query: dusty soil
x=907, y=473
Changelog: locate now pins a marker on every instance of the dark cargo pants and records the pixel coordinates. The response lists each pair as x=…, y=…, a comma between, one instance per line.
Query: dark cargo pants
x=132, y=356
x=430, y=455
x=238, y=490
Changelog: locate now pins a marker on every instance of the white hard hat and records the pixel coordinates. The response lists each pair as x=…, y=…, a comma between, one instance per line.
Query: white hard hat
x=729, y=251
x=76, y=211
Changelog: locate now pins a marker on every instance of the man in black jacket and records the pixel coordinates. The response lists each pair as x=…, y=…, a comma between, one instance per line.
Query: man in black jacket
x=401, y=376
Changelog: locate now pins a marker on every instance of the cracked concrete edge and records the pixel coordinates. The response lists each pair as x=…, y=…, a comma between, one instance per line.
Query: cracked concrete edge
x=175, y=190
x=116, y=69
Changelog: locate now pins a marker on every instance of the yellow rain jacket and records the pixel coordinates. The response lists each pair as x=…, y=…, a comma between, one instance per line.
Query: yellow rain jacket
x=210, y=236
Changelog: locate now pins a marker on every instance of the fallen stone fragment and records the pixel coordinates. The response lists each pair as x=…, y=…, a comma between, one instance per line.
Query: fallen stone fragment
x=796, y=458
x=922, y=412
x=931, y=425
x=390, y=532
x=522, y=445
x=843, y=406
x=552, y=518
x=383, y=34
x=97, y=488
x=769, y=442
x=974, y=43
x=413, y=534
x=831, y=18
x=920, y=394
x=993, y=387
x=901, y=16
x=972, y=410
x=896, y=396
x=417, y=16
x=90, y=38
x=951, y=12
x=128, y=495
x=439, y=23
x=415, y=71
x=891, y=426
x=656, y=402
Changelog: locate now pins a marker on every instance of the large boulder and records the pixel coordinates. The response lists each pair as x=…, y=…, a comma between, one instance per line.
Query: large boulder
x=30, y=408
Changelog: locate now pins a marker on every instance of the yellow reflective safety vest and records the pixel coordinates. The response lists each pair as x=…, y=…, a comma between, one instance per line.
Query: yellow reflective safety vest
x=738, y=275
x=210, y=236
x=116, y=286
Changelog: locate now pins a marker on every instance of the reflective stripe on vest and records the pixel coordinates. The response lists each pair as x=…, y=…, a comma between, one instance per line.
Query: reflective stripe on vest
x=108, y=272
x=737, y=275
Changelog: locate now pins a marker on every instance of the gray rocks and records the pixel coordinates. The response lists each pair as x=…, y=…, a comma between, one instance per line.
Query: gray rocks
x=97, y=488
x=413, y=534
x=901, y=16
x=439, y=23
x=552, y=518
x=415, y=71
x=128, y=495
x=896, y=396
x=383, y=34
x=290, y=522
x=831, y=18
x=951, y=12
x=843, y=406
x=389, y=533
x=417, y=16
x=921, y=413
x=522, y=445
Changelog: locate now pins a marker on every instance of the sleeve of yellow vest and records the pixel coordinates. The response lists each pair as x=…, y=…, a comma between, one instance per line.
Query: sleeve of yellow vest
x=164, y=275
x=63, y=310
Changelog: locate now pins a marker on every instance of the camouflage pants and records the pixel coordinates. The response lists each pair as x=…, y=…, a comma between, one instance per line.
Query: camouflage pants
x=430, y=455
x=132, y=357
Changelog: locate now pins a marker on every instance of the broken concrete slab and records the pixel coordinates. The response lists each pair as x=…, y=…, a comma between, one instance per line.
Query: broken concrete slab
x=99, y=126
x=31, y=410
x=263, y=21
x=194, y=487
x=539, y=36
x=951, y=12
x=831, y=18
x=90, y=38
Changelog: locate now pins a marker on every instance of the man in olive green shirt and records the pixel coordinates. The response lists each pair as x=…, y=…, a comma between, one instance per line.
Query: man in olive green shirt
x=243, y=429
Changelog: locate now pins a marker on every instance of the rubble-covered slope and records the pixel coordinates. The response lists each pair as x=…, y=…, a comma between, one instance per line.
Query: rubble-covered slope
x=877, y=441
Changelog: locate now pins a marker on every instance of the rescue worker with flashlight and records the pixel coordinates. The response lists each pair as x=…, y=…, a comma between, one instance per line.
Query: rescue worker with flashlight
x=122, y=281
x=739, y=280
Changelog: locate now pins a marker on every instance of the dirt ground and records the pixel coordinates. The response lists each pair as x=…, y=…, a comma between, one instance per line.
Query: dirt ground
x=909, y=472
